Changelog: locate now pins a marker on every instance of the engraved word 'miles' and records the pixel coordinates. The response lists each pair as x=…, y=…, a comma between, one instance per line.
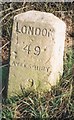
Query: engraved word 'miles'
x=32, y=30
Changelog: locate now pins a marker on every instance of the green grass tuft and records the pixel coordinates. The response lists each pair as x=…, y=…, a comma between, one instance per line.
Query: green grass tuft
x=56, y=104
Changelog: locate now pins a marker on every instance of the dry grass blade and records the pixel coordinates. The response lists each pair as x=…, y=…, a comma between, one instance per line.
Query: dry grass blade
x=10, y=13
x=4, y=45
x=6, y=10
x=4, y=65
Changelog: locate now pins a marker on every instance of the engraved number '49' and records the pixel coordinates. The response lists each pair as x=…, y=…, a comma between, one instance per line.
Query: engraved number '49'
x=36, y=49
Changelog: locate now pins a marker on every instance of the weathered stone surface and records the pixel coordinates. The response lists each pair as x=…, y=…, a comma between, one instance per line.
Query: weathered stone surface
x=37, y=49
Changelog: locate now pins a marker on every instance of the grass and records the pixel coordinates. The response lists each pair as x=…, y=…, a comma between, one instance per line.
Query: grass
x=57, y=104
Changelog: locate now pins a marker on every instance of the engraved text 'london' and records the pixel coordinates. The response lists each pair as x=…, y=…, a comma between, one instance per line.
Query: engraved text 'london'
x=37, y=31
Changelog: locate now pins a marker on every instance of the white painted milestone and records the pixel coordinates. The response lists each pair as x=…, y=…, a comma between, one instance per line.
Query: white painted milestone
x=37, y=49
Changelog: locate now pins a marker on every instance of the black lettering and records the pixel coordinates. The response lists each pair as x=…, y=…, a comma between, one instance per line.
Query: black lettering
x=13, y=63
x=24, y=29
x=44, y=32
x=17, y=28
x=27, y=48
x=30, y=30
x=37, y=31
x=37, y=67
x=37, y=50
x=48, y=34
x=47, y=69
